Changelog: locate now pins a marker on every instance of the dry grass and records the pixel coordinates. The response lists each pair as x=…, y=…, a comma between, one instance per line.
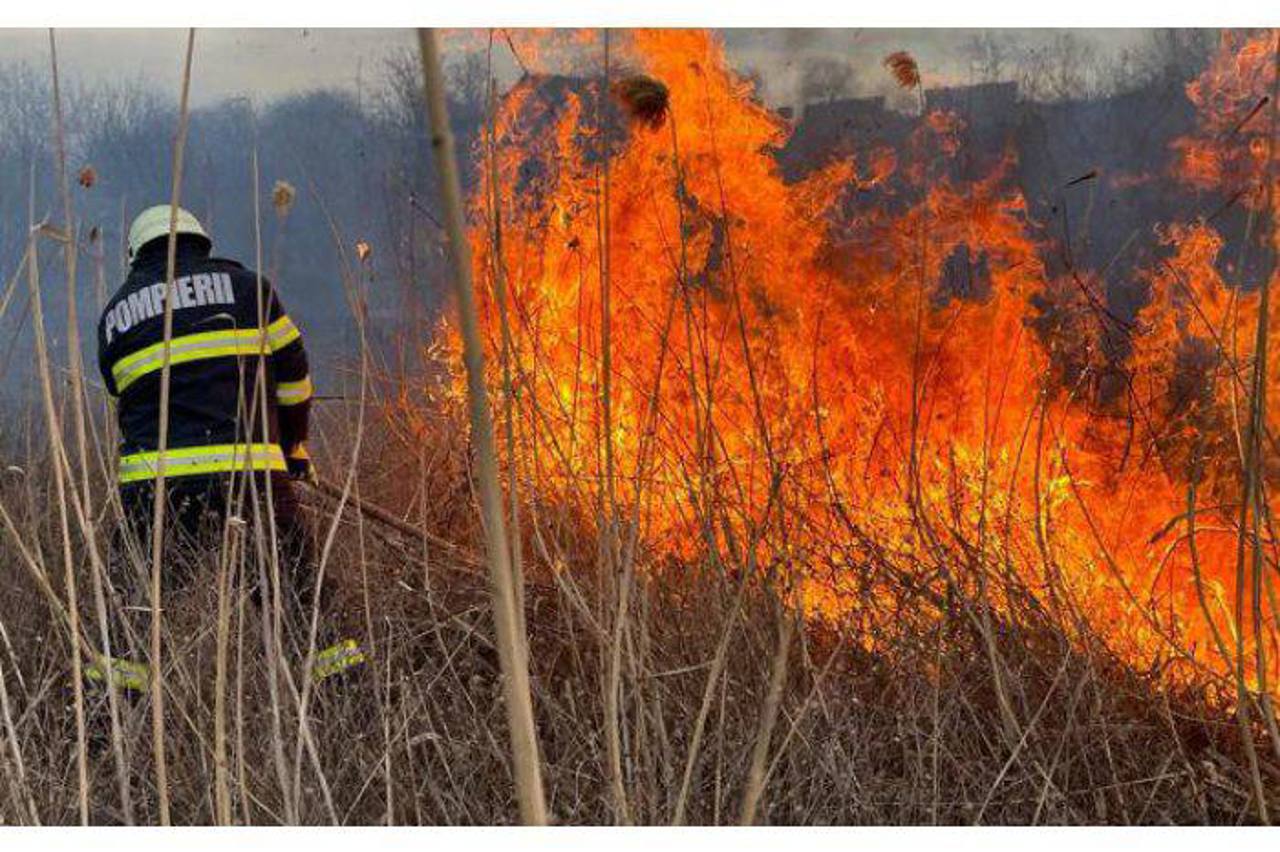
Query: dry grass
x=908, y=733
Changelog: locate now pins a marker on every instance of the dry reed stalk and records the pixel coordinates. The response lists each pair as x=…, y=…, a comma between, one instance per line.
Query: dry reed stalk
x=162, y=443
x=815, y=692
x=305, y=738
x=83, y=500
x=271, y=648
x=355, y=301
x=267, y=554
x=97, y=574
x=1262, y=506
x=71, y=254
x=1193, y=554
x=511, y=641
x=11, y=287
x=99, y=269
x=35, y=567
x=107, y=418
x=60, y=485
x=242, y=780
x=1021, y=743
x=646, y=454
x=702, y=496
x=233, y=538
x=388, y=773
x=15, y=753
x=1252, y=508
x=755, y=777
x=768, y=716
x=509, y=408
x=714, y=673
x=606, y=312
x=1249, y=546
x=906, y=73
x=608, y=524
x=647, y=102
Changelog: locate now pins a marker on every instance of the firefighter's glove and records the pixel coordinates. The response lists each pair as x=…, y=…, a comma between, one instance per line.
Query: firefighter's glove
x=299, y=464
x=125, y=674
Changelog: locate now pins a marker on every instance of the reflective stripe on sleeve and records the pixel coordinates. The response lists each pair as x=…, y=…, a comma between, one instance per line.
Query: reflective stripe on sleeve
x=187, y=348
x=281, y=333
x=191, y=461
x=293, y=393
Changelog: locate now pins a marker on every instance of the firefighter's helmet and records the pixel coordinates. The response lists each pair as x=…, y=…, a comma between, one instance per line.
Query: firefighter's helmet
x=153, y=223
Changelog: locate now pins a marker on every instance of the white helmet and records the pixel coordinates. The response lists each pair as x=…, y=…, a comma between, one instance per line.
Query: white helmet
x=153, y=223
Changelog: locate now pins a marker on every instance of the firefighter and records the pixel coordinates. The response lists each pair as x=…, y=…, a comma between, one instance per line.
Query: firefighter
x=224, y=449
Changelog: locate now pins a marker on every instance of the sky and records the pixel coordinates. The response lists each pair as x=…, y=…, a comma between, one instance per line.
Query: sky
x=266, y=64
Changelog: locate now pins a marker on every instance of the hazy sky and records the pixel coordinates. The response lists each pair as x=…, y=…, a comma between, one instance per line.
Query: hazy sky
x=269, y=63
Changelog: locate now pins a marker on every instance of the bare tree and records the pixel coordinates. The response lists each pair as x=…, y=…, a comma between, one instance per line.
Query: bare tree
x=468, y=81
x=1168, y=57
x=991, y=54
x=824, y=79
x=1064, y=67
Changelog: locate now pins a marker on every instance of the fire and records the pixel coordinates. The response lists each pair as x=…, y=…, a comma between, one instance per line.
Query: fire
x=1234, y=142
x=818, y=383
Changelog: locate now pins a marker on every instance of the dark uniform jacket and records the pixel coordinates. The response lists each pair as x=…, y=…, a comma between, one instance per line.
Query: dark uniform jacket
x=226, y=322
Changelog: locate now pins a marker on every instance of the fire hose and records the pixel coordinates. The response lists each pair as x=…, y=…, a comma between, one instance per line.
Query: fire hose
x=334, y=493
x=468, y=561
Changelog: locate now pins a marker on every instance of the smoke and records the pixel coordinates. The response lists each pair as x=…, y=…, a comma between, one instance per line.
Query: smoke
x=797, y=40
x=804, y=66
x=824, y=79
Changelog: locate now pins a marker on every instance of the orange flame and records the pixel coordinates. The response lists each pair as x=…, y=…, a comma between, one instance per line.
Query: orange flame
x=827, y=385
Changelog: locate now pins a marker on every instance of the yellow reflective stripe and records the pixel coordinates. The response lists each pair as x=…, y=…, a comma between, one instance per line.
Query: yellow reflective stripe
x=281, y=333
x=191, y=461
x=124, y=672
x=187, y=348
x=337, y=658
x=209, y=344
x=292, y=393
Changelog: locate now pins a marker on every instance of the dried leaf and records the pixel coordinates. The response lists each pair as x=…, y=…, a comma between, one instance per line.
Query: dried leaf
x=51, y=232
x=282, y=197
x=87, y=177
x=645, y=99
x=904, y=69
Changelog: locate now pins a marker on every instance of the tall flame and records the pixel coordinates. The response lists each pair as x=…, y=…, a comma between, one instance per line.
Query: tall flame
x=829, y=384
